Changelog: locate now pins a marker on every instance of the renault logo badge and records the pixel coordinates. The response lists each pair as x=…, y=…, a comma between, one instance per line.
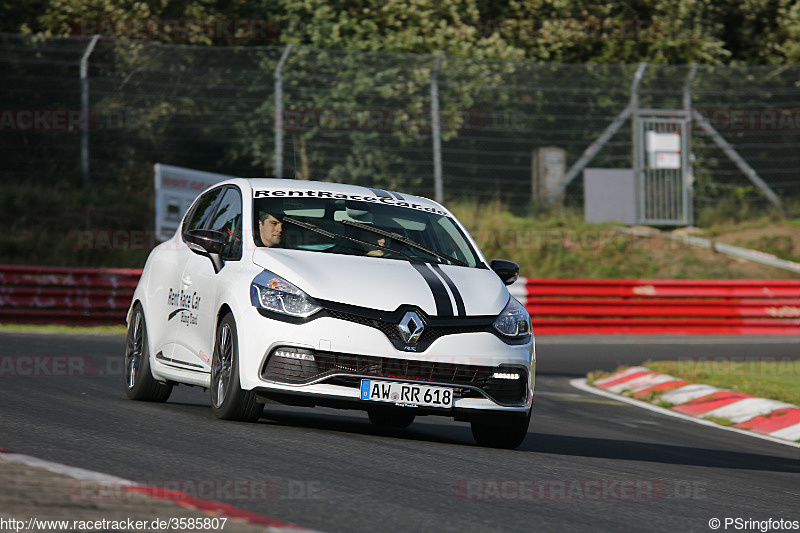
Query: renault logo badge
x=411, y=327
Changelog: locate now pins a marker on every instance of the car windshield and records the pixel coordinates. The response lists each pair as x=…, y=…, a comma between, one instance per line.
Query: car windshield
x=361, y=228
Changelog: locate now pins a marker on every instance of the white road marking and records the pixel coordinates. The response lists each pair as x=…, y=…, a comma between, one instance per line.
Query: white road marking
x=580, y=384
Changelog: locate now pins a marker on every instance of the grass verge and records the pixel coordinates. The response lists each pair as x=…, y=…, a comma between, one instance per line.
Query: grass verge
x=776, y=380
x=558, y=243
x=52, y=328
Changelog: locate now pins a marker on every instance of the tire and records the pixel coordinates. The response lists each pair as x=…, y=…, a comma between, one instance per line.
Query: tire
x=386, y=419
x=228, y=400
x=502, y=435
x=139, y=382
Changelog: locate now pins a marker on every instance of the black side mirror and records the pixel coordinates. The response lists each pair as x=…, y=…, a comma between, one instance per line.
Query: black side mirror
x=208, y=242
x=507, y=270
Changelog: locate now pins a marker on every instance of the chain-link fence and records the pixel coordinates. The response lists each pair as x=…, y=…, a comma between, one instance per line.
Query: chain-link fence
x=369, y=118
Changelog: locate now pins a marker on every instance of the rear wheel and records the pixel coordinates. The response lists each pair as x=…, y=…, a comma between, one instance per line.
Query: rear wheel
x=139, y=382
x=507, y=433
x=391, y=420
x=228, y=400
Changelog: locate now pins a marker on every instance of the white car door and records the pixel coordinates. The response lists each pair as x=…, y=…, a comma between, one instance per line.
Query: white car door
x=195, y=339
x=183, y=297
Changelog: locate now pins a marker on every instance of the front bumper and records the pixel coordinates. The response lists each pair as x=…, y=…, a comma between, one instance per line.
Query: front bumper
x=346, y=370
x=338, y=354
x=338, y=397
x=334, y=380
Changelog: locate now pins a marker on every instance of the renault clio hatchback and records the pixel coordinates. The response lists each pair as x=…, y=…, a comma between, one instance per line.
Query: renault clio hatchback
x=323, y=294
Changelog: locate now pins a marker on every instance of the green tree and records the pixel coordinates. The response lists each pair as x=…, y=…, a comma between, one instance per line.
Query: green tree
x=426, y=26
x=658, y=31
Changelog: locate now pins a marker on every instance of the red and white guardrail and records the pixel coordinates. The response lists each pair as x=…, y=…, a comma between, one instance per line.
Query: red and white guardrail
x=705, y=307
x=94, y=296
x=73, y=296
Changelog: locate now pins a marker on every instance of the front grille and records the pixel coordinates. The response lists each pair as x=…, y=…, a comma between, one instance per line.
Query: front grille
x=335, y=364
x=388, y=329
x=289, y=370
x=354, y=382
x=429, y=334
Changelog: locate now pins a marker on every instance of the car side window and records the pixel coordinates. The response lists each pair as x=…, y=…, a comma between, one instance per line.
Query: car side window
x=201, y=211
x=227, y=219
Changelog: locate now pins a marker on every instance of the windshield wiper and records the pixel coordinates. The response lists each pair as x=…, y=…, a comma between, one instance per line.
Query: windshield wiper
x=405, y=240
x=309, y=226
x=331, y=235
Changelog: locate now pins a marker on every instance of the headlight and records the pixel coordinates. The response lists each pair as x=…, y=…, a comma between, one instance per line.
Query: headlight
x=274, y=293
x=514, y=321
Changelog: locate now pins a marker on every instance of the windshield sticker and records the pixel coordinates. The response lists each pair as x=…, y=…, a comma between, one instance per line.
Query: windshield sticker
x=341, y=196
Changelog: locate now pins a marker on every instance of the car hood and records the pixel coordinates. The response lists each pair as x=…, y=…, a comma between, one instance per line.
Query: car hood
x=386, y=284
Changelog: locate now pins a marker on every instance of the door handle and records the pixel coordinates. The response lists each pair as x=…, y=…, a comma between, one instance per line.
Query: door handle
x=186, y=280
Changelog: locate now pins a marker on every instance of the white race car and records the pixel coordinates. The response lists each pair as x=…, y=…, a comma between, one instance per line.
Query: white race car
x=309, y=293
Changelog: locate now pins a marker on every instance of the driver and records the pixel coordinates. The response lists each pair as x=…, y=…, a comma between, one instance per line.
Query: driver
x=269, y=229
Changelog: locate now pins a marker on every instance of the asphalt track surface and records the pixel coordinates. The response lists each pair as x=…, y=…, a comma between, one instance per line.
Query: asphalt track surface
x=588, y=463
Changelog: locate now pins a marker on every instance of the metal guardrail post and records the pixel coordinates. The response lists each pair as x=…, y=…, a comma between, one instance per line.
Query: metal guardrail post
x=436, y=132
x=590, y=152
x=686, y=149
x=636, y=131
x=734, y=156
x=601, y=141
x=85, y=109
x=687, y=89
x=278, y=117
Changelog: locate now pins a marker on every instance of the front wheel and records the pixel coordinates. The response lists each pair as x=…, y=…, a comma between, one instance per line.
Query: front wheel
x=228, y=400
x=507, y=435
x=139, y=382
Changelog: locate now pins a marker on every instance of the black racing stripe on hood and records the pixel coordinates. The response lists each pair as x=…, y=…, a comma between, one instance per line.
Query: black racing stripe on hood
x=462, y=311
x=443, y=305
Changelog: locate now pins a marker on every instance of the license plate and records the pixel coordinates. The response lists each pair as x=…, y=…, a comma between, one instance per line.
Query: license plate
x=408, y=394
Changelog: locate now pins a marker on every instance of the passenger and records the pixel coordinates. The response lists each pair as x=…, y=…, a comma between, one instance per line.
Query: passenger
x=377, y=252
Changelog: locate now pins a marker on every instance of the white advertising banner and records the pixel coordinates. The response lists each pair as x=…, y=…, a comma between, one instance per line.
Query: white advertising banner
x=176, y=188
